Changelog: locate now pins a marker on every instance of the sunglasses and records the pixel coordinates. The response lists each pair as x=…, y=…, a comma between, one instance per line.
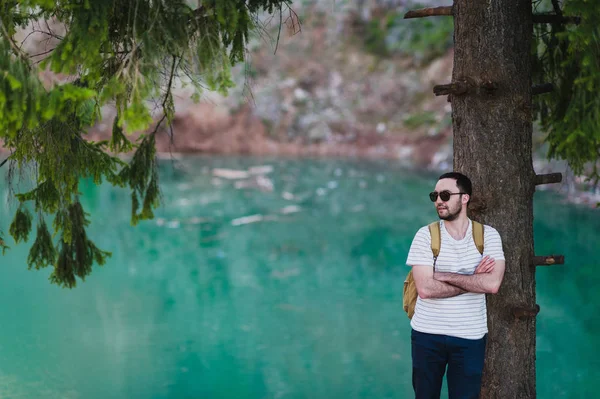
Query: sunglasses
x=444, y=195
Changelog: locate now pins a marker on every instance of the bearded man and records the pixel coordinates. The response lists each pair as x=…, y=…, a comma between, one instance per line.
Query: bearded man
x=449, y=326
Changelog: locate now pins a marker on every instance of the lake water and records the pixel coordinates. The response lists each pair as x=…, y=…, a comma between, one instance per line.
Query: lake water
x=236, y=292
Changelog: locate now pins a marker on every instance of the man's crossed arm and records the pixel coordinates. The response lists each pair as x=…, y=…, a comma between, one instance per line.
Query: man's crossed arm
x=486, y=279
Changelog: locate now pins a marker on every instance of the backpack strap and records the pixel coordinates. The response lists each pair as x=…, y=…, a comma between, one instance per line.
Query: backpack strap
x=478, y=236
x=436, y=241
x=434, y=231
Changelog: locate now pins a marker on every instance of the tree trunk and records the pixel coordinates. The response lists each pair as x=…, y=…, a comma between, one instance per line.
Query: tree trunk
x=492, y=126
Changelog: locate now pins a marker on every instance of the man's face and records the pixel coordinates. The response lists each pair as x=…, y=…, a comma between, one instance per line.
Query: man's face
x=449, y=210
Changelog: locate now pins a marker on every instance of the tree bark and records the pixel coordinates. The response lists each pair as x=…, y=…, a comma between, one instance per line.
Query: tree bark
x=493, y=146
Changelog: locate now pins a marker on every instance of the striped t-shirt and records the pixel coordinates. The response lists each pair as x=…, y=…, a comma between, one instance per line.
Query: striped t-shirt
x=465, y=315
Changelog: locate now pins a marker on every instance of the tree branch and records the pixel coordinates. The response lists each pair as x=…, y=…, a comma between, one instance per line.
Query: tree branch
x=17, y=51
x=555, y=19
x=34, y=31
x=541, y=89
x=293, y=22
x=171, y=75
x=556, y=7
x=42, y=53
x=167, y=94
x=279, y=30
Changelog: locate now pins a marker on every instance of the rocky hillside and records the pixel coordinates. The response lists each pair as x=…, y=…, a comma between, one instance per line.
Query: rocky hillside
x=330, y=78
x=339, y=82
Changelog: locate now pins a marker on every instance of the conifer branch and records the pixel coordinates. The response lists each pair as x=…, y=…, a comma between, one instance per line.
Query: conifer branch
x=42, y=53
x=17, y=51
x=160, y=121
x=171, y=76
x=167, y=95
x=199, y=12
x=50, y=30
x=34, y=31
x=279, y=30
x=556, y=7
x=110, y=70
x=294, y=22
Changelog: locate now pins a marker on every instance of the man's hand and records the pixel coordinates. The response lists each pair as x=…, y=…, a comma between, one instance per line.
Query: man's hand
x=486, y=265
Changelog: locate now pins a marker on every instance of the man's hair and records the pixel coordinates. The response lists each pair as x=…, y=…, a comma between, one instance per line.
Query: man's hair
x=462, y=182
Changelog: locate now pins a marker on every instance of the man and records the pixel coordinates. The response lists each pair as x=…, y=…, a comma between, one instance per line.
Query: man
x=449, y=327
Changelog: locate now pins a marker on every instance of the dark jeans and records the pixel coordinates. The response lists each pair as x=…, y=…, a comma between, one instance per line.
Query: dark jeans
x=431, y=354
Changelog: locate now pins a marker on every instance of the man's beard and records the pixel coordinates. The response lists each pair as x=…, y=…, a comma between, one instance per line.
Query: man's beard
x=451, y=215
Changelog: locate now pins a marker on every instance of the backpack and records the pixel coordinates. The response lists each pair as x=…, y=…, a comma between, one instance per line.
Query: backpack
x=409, y=295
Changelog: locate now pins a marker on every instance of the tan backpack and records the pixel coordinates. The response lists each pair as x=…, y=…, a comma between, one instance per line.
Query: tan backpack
x=409, y=296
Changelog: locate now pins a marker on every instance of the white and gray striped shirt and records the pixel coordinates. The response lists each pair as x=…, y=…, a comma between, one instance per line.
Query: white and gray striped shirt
x=465, y=315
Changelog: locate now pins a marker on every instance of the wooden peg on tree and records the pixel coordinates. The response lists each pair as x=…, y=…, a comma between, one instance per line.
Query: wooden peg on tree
x=549, y=260
x=489, y=87
x=456, y=88
x=465, y=85
x=429, y=12
x=523, y=312
x=555, y=19
x=541, y=89
x=548, y=178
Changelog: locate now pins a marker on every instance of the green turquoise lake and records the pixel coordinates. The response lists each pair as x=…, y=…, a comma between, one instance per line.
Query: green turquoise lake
x=247, y=292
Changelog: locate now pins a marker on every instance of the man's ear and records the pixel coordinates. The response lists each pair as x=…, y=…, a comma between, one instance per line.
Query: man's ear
x=465, y=198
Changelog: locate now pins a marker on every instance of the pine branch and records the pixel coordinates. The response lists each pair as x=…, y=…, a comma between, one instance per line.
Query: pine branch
x=279, y=30
x=42, y=53
x=160, y=121
x=198, y=13
x=122, y=53
x=167, y=94
x=556, y=7
x=17, y=51
x=34, y=31
x=294, y=22
x=171, y=75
